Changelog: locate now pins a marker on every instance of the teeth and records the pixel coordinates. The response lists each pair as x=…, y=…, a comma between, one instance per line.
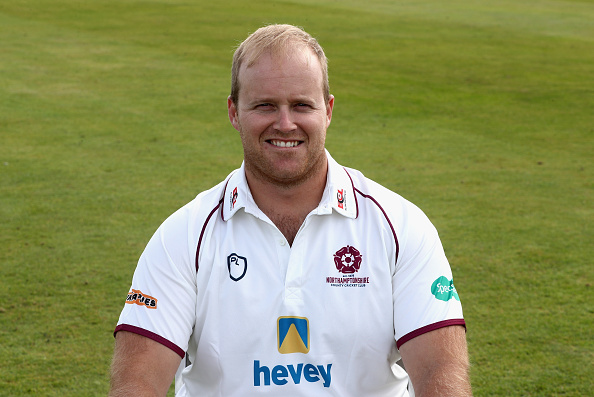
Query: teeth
x=284, y=143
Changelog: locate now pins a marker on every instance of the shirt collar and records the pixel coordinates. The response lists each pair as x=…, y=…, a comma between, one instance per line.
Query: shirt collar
x=237, y=194
x=339, y=194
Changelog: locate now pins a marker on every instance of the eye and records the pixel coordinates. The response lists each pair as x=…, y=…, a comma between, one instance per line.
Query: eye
x=264, y=106
x=302, y=106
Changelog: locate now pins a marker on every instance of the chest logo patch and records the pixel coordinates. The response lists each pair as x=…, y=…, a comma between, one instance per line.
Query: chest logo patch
x=293, y=335
x=237, y=266
x=347, y=260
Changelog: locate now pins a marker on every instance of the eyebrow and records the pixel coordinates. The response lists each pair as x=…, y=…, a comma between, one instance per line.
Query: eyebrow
x=296, y=99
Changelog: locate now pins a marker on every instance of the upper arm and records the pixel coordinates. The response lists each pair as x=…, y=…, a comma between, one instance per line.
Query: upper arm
x=141, y=366
x=437, y=362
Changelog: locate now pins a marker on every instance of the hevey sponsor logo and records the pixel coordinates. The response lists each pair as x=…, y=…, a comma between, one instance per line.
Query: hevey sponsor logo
x=348, y=261
x=281, y=375
x=444, y=289
x=292, y=337
x=137, y=297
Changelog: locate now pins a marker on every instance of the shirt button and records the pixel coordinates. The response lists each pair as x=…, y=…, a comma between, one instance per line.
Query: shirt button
x=282, y=242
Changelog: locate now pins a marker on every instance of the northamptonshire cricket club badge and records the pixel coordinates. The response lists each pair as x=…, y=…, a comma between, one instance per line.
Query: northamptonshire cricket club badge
x=347, y=261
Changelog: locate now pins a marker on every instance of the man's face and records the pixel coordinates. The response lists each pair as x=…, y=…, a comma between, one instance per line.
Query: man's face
x=282, y=118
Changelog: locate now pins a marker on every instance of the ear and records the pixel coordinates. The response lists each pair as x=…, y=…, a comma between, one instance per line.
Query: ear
x=329, y=108
x=232, y=110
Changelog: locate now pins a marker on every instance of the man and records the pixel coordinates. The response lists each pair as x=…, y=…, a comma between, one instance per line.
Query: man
x=293, y=276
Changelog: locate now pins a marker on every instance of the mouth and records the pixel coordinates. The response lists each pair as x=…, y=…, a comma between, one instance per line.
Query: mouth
x=284, y=144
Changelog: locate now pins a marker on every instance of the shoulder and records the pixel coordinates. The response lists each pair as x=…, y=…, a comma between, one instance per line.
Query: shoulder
x=177, y=237
x=204, y=206
x=409, y=224
x=393, y=204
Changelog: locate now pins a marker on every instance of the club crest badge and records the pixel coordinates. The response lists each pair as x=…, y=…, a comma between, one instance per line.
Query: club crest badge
x=237, y=266
x=347, y=260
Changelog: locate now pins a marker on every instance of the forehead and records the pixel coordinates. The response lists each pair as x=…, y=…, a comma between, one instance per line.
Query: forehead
x=292, y=62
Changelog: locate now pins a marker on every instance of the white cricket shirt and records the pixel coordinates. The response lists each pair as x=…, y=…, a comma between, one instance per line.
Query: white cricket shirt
x=323, y=317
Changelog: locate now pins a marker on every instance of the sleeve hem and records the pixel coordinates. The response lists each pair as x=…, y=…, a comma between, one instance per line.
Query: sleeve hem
x=429, y=328
x=151, y=335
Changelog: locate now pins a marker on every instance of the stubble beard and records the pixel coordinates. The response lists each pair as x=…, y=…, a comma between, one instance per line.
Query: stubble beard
x=264, y=170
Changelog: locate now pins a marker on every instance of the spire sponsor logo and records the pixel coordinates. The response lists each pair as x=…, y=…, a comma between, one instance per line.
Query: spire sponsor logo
x=444, y=289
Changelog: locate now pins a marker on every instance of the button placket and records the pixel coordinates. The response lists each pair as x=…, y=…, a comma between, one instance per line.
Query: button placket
x=283, y=253
x=294, y=277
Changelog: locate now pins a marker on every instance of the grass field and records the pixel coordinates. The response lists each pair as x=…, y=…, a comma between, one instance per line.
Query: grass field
x=113, y=115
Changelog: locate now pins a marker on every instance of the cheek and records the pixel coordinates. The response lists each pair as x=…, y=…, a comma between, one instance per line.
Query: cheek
x=254, y=125
x=316, y=127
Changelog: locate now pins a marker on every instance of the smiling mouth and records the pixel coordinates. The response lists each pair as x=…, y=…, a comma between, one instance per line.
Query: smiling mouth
x=278, y=143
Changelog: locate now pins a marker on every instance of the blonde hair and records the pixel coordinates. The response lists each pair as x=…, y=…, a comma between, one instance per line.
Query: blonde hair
x=275, y=39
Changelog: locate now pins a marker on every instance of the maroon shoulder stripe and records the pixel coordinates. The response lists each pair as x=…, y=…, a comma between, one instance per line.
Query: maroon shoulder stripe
x=204, y=229
x=367, y=196
x=385, y=216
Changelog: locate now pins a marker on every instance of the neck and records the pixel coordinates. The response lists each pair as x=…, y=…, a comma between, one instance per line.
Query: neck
x=287, y=205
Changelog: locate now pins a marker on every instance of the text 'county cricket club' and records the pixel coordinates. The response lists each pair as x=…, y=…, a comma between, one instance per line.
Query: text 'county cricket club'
x=347, y=261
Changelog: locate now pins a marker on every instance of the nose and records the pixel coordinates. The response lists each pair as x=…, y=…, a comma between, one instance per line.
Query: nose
x=284, y=121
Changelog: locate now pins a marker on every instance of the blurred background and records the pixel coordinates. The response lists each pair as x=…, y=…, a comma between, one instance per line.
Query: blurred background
x=113, y=115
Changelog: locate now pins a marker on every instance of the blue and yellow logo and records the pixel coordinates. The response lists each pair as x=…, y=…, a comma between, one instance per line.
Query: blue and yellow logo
x=293, y=335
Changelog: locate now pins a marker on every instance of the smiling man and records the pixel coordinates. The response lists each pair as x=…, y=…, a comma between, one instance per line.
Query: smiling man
x=282, y=115
x=294, y=276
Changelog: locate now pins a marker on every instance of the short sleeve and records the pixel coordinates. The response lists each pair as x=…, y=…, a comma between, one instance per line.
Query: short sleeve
x=162, y=298
x=423, y=290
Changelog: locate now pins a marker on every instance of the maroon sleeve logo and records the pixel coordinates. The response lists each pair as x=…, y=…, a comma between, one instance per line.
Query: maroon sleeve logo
x=347, y=260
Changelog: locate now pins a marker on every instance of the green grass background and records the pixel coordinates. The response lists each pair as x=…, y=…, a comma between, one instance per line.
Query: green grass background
x=113, y=115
